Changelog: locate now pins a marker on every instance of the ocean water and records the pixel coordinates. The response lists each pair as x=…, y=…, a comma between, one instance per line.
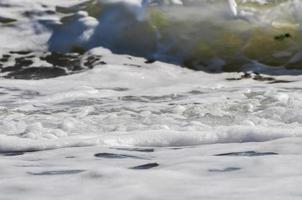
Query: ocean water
x=177, y=99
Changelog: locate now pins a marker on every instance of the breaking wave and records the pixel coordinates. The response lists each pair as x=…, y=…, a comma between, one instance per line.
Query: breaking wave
x=207, y=35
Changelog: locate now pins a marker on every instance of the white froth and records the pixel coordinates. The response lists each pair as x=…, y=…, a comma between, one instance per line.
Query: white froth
x=151, y=105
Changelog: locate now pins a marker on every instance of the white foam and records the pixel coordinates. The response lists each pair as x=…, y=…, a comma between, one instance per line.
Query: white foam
x=151, y=105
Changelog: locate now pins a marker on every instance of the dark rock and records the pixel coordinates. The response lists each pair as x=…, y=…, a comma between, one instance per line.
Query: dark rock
x=50, y=12
x=246, y=75
x=282, y=37
x=37, y=73
x=258, y=77
x=31, y=14
x=4, y=59
x=6, y=56
x=25, y=68
x=91, y=61
x=150, y=61
x=102, y=63
x=234, y=79
x=10, y=69
x=71, y=61
x=23, y=62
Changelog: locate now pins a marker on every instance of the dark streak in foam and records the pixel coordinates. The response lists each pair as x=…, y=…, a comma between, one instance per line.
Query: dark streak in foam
x=16, y=153
x=115, y=156
x=281, y=81
x=247, y=154
x=12, y=153
x=57, y=172
x=175, y=148
x=119, y=89
x=30, y=165
x=20, y=52
x=145, y=166
x=132, y=65
x=145, y=150
x=228, y=169
x=69, y=157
